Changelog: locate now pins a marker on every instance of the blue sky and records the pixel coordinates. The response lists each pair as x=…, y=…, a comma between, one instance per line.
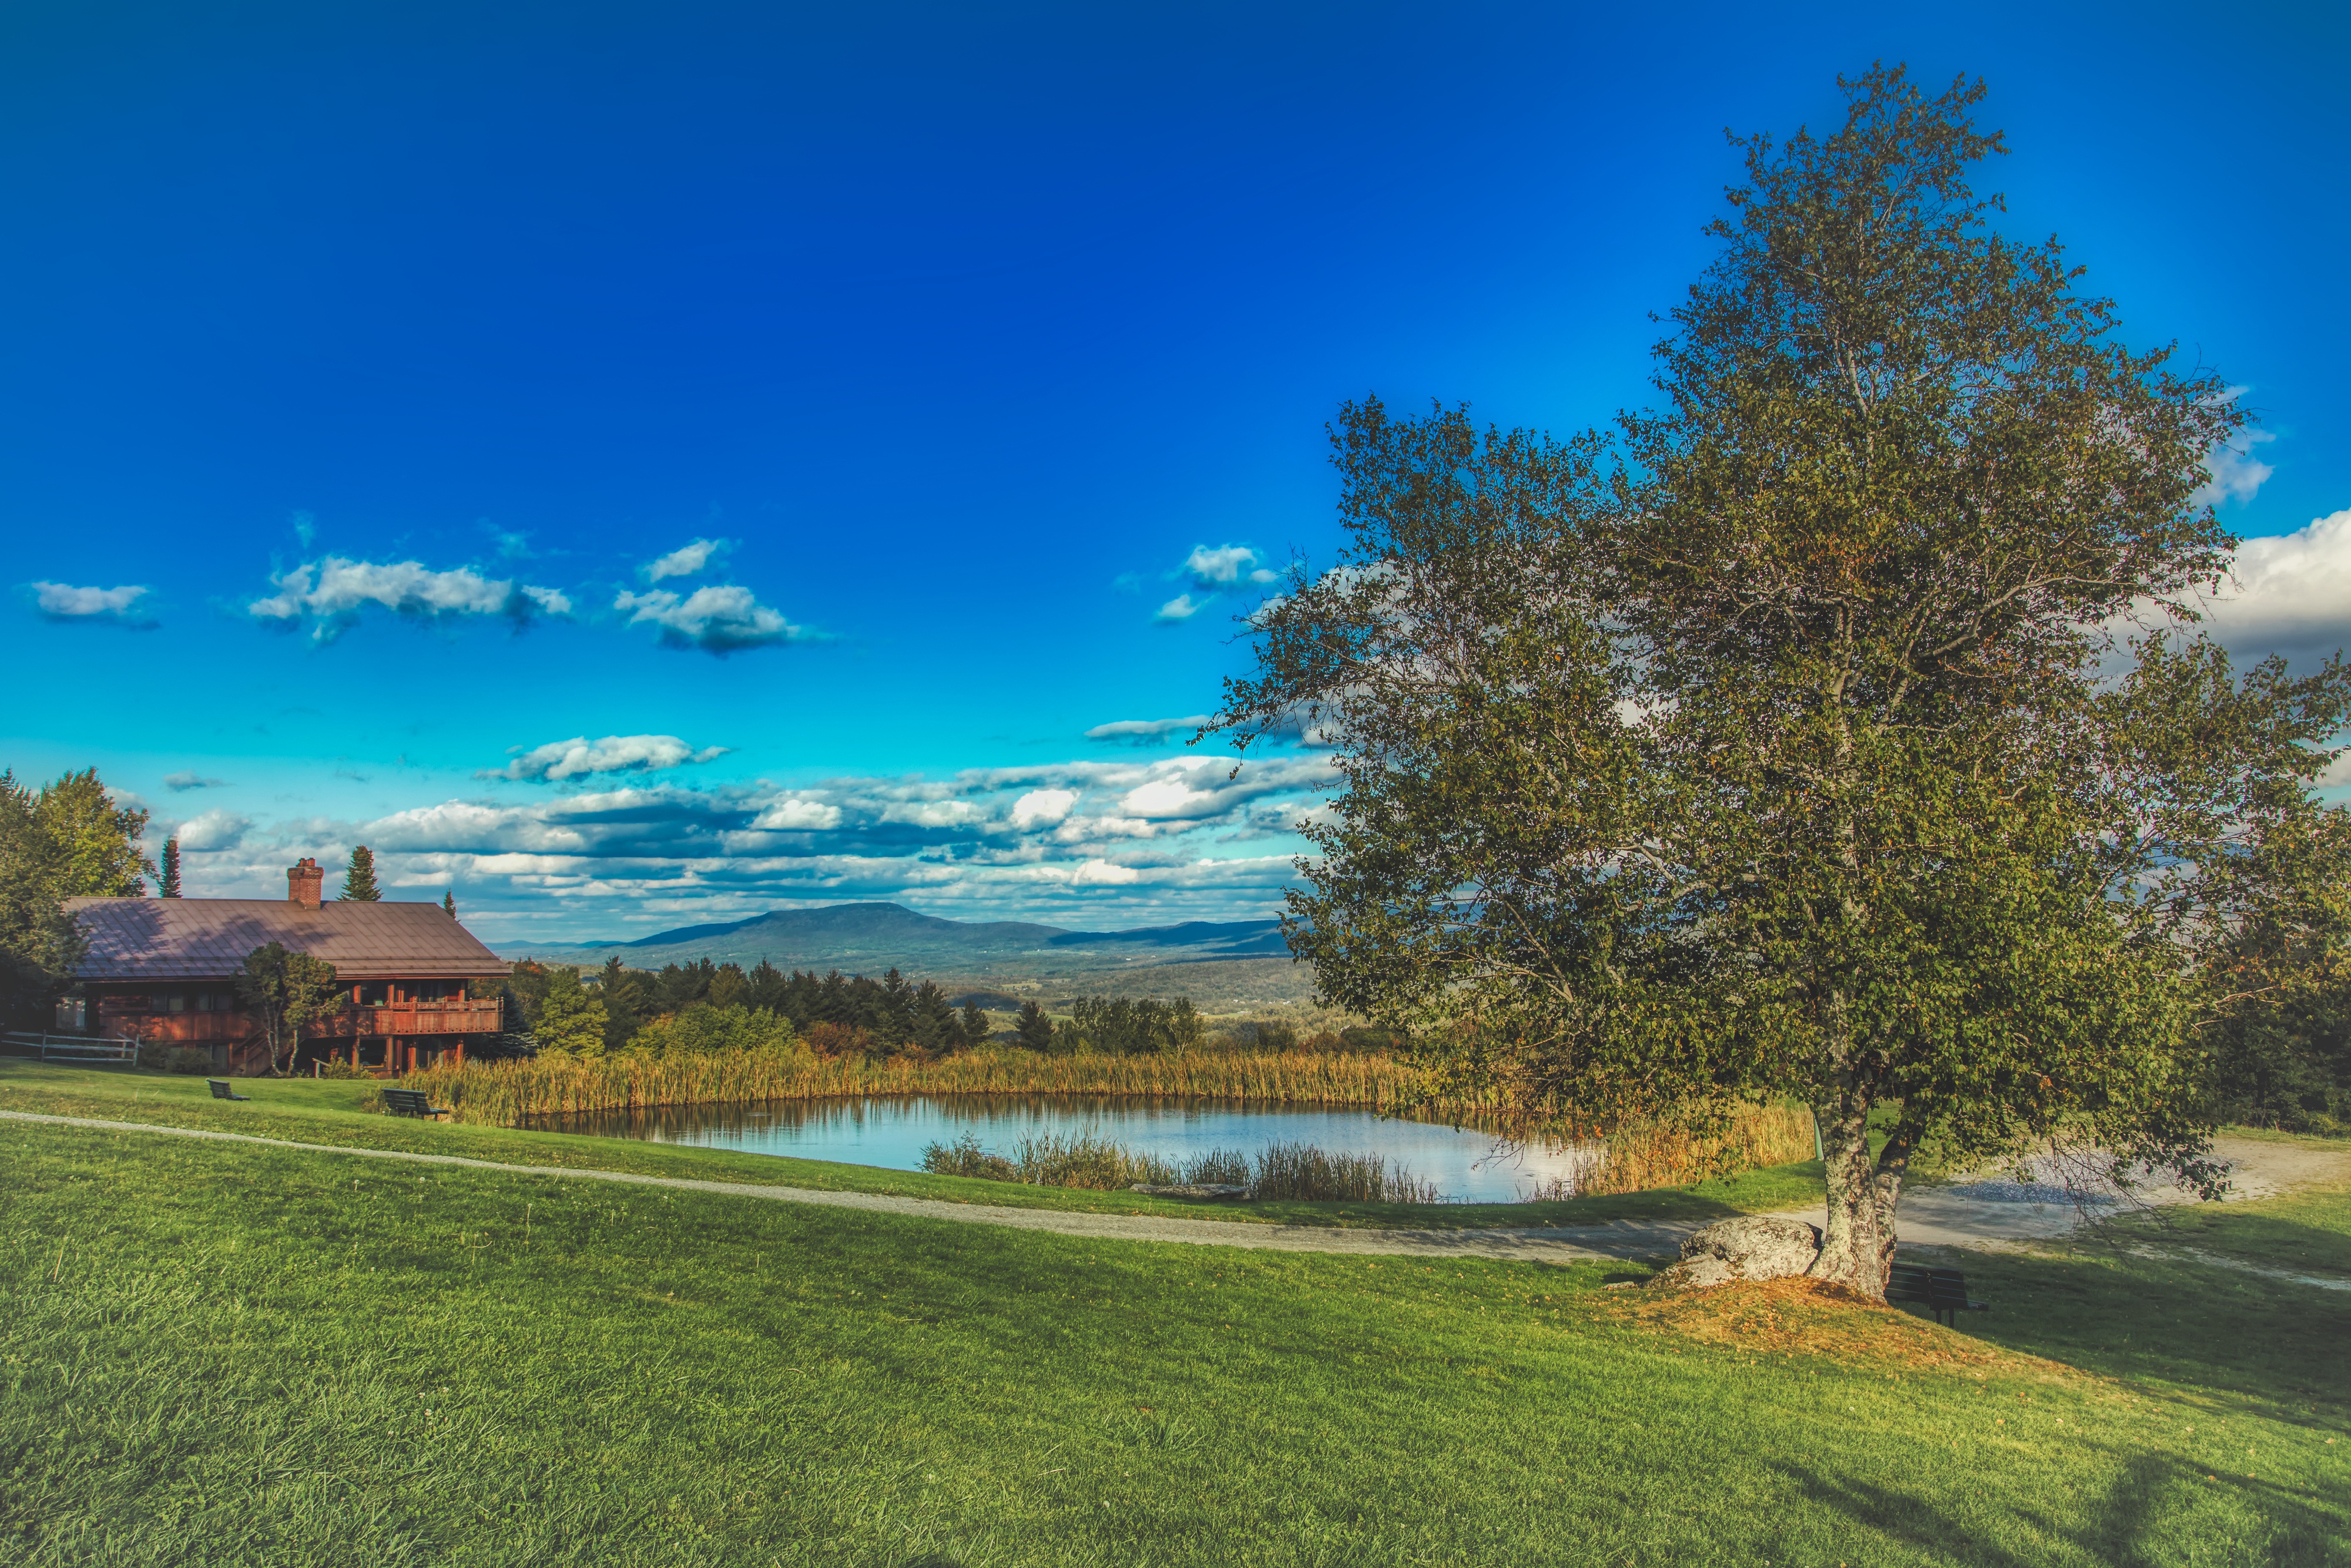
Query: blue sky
x=828, y=405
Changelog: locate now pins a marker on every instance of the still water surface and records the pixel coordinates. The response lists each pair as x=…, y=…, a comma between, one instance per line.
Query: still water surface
x=1467, y=1166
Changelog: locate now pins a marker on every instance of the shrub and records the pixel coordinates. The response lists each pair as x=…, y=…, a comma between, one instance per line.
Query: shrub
x=336, y=1067
x=1284, y=1170
x=1305, y=1172
x=1088, y=1162
x=965, y=1157
x=187, y=1059
x=1218, y=1167
x=838, y=1041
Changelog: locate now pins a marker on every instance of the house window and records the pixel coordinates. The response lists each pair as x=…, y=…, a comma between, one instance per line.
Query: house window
x=176, y=1002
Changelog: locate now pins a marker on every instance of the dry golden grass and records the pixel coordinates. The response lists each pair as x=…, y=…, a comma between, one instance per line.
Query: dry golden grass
x=508, y=1094
x=1640, y=1159
x=1788, y=1318
x=513, y=1093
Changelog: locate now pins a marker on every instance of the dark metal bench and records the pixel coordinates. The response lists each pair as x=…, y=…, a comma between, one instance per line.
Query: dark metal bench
x=1942, y=1291
x=412, y=1102
x=220, y=1090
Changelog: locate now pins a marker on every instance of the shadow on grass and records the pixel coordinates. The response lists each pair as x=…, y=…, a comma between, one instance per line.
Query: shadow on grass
x=2174, y=1321
x=2288, y=1241
x=2147, y=1517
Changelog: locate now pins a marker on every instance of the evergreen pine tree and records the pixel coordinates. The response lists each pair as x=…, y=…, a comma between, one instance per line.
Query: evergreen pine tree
x=1034, y=1029
x=894, y=1010
x=627, y=995
x=570, y=1020
x=449, y=904
x=359, y=879
x=975, y=1029
x=167, y=884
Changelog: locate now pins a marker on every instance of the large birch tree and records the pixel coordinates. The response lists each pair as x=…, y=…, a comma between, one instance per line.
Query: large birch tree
x=1838, y=728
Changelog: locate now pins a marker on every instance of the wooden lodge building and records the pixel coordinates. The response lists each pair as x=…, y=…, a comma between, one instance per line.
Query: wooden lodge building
x=165, y=969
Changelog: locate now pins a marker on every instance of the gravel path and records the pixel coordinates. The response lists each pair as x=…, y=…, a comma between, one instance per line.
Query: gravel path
x=1979, y=1214
x=1559, y=1245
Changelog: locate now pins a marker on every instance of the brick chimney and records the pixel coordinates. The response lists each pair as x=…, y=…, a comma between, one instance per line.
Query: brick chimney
x=303, y=881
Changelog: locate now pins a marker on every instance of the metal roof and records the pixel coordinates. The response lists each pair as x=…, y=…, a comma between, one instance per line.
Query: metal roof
x=208, y=938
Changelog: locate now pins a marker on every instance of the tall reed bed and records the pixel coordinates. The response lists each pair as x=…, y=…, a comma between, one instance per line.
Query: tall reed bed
x=1284, y=1170
x=1640, y=1158
x=508, y=1094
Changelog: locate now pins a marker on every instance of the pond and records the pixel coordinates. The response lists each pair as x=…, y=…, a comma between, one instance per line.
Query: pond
x=1465, y=1166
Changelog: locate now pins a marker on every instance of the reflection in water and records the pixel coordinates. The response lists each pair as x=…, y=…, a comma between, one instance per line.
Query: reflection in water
x=1465, y=1164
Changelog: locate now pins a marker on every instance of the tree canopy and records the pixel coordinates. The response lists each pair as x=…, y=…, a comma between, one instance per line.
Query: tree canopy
x=1837, y=729
x=65, y=840
x=285, y=992
x=570, y=1019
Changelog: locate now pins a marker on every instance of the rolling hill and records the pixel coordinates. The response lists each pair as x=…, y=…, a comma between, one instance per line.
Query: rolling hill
x=1220, y=964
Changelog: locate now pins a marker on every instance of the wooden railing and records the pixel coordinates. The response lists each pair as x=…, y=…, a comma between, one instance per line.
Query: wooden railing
x=73, y=1047
x=463, y=1015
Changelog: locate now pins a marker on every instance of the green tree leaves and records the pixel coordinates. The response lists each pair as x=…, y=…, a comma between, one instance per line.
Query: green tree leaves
x=285, y=992
x=1781, y=744
x=570, y=1018
x=67, y=840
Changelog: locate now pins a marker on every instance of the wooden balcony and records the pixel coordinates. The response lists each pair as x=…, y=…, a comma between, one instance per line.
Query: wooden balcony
x=462, y=1015
x=400, y=1020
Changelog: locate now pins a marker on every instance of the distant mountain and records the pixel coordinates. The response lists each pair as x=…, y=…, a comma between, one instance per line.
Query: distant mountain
x=871, y=937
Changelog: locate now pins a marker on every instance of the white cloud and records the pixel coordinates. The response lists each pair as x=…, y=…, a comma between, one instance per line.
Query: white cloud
x=1164, y=798
x=213, y=833
x=686, y=559
x=579, y=756
x=1140, y=729
x=795, y=814
x=721, y=619
x=117, y=606
x=934, y=813
x=190, y=779
x=2234, y=472
x=1043, y=808
x=331, y=594
x=2290, y=592
x=1220, y=568
x=1057, y=841
x=1213, y=570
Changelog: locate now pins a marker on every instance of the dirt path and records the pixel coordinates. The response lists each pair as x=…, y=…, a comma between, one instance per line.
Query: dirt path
x=1931, y=1216
x=1992, y=1213
x=1561, y=1245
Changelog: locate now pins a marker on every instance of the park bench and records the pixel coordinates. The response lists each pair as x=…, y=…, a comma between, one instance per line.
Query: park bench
x=1943, y=1291
x=220, y=1090
x=411, y=1102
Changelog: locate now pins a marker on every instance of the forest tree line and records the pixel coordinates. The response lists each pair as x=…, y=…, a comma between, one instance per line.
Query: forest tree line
x=712, y=1006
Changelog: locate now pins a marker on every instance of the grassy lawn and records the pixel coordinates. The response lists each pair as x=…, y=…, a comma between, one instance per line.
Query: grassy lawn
x=328, y=1112
x=220, y=1353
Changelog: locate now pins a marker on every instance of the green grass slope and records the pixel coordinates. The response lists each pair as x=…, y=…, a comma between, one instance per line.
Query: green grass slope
x=217, y=1353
